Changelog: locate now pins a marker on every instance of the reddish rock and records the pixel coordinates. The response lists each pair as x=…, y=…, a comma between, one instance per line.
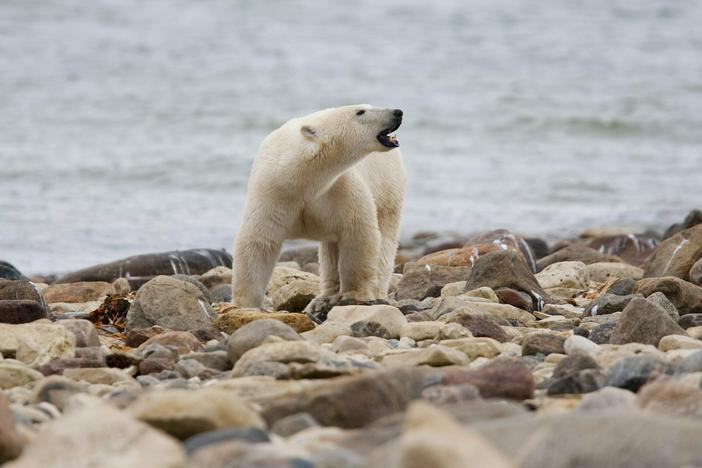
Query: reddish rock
x=420, y=281
x=518, y=299
x=137, y=336
x=501, y=378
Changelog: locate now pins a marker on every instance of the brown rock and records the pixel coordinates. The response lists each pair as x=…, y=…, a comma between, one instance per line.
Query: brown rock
x=20, y=311
x=84, y=291
x=507, y=269
x=232, y=319
x=686, y=297
x=676, y=255
x=693, y=218
x=644, y=322
x=420, y=281
x=576, y=252
x=483, y=325
x=631, y=248
x=518, y=299
x=501, y=378
x=543, y=343
x=137, y=336
x=85, y=332
x=14, y=290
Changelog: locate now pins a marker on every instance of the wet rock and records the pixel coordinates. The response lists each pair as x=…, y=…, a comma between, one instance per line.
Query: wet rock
x=170, y=303
x=349, y=402
x=22, y=290
x=608, y=271
x=137, y=336
x=36, y=343
x=622, y=287
x=500, y=378
x=483, y=325
x=21, y=311
x=564, y=275
x=518, y=299
x=676, y=255
x=232, y=319
x=390, y=318
x=185, y=413
x=576, y=253
x=602, y=333
x=10, y=440
x=8, y=271
x=633, y=372
x=644, y=322
x=254, y=333
x=420, y=281
x=88, y=435
x=672, y=398
x=180, y=342
x=189, y=262
x=506, y=269
x=14, y=374
x=291, y=290
x=543, y=343
x=632, y=248
x=696, y=273
x=78, y=292
x=84, y=331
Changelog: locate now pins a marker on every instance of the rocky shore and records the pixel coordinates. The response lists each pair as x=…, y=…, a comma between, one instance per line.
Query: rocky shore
x=493, y=351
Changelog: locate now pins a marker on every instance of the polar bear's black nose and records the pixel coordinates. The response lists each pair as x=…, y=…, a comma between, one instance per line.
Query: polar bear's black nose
x=397, y=113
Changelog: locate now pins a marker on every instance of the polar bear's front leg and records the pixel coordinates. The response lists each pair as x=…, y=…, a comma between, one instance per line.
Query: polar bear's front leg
x=359, y=249
x=254, y=259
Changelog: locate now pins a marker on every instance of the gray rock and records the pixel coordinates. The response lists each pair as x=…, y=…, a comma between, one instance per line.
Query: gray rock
x=170, y=303
x=57, y=390
x=622, y=287
x=691, y=363
x=690, y=320
x=608, y=304
x=602, y=333
x=696, y=273
x=633, y=372
x=84, y=330
x=644, y=322
x=8, y=271
x=254, y=333
x=213, y=359
x=250, y=434
x=194, y=281
x=660, y=299
x=221, y=293
x=293, y=424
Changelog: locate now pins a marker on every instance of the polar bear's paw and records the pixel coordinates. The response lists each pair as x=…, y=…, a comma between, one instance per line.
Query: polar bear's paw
x=319, y=308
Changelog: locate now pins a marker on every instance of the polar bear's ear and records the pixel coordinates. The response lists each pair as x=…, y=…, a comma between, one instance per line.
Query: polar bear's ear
x=309, y=133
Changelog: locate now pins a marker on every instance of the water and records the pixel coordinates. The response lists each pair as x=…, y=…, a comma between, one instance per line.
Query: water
x=129, y=126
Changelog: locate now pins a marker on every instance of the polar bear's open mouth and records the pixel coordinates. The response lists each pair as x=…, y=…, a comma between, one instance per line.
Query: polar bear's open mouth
x=387, y=139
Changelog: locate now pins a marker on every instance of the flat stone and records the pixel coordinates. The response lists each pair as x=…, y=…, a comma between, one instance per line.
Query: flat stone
x=475, y=347
x=185, y=413
x=231, y=320
x=543, y=343
x=99, y=375
x=435, y=356
x=84, y=331
x=78, y=292
x=254, y=333
x=564, y=275
x=500, y=378
x=36, y=343
x=671, y=342
x=389, y=317
x=602, y=272
x=14, y=374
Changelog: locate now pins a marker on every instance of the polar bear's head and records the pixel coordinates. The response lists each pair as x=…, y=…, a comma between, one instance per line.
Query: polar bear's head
x=360, y=129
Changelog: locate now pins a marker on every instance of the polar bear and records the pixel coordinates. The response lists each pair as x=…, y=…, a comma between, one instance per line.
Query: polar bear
x=335, y=176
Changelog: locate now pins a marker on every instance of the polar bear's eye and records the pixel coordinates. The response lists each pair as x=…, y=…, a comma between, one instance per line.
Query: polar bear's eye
x=361, y=112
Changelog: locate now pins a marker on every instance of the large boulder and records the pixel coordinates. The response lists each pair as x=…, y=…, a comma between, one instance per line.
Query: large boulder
x=189, y=262
x=686, y=297
x=643, y=321
x=507, y=269
x=170, y=303
x=675, y=255
x=98, y=435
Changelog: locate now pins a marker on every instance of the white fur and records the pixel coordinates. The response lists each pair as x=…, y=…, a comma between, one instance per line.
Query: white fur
x=324, y=177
